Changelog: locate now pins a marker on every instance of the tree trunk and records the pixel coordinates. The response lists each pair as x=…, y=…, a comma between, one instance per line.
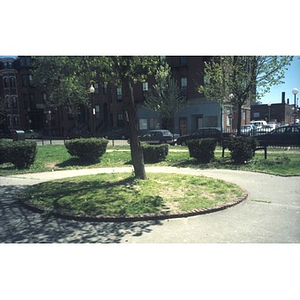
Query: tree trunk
x=135, y=145
x=239, y=120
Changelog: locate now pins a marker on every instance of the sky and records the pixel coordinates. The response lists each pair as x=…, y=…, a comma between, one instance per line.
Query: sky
x=292, y=80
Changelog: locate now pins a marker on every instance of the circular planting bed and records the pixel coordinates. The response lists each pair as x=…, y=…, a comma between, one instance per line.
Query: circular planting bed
x=121, y=197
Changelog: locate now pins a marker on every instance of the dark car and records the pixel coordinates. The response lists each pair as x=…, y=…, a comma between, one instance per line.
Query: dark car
x=158, y=137
x=33, y=134
x=281, y=136
x=200, y=134
x=116, y=134
x=77, y=133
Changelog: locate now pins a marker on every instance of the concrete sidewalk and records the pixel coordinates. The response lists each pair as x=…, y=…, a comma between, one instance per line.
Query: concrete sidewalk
x=271, y=214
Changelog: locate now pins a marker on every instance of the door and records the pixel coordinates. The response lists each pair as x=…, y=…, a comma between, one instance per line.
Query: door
x=183, y=126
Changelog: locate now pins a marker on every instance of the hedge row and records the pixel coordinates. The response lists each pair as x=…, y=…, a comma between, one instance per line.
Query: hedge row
x=154, y=153
x=88, y=149
x=21, y=154
x=202, y=149
x=242, y=149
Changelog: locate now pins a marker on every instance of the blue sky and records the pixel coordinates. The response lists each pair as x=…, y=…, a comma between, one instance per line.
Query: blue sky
x=292, y=80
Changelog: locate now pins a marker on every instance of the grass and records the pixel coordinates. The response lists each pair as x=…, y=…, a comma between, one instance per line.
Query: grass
x=56, y=157
x=123, y=195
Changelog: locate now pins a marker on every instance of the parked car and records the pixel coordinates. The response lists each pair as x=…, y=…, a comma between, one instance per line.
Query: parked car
x=33, y=134
x=259, y=124
x=266, y=129
x=158, y=137
x=116, y=134
x=200, y=134
x=248, y=130
x=281, y=136
x=77, y=133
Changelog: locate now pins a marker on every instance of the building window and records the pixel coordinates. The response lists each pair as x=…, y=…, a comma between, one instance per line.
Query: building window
x=96, y=86
x=14, y=102
x=16, y=121
x=97, y=110
x=30, y=78
x=143, y=124
x=256, y=115
x=6, y=84
x=12, y=82
x=120, y=119
x=119, y=93
x=105, y=84
x=44, y=97
x=145, y=86
x=7, y=102
x=153, y=123
x=183, y=85
x=211, y=121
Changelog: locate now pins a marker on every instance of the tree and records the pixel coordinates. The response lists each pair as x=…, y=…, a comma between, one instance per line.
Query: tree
x=165, y=97
x=65, y=78
x=236, y=79
x=126, y=71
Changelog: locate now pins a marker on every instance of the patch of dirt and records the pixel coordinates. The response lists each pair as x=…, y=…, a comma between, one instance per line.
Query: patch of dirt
x=51, y=166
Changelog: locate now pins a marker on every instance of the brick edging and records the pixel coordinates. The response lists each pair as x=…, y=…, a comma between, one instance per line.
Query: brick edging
x=145, y=217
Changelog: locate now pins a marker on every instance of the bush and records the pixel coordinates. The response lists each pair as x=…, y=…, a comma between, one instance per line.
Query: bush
x=242, y=149
x=4, y=151
x=202, y=149
x=89, y=149
x=154, y=153
x=21, y=154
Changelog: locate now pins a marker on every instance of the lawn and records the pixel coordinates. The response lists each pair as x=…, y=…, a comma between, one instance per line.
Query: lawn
x=56, y=157
x=123, y=195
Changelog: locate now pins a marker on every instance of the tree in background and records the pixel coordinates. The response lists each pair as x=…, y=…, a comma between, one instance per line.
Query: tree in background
x=66, y=79
x=236, y=79
x=165, y=97
x=126, y=71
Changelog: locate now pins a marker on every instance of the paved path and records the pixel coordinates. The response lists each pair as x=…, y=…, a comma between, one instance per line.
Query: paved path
x=271, y=214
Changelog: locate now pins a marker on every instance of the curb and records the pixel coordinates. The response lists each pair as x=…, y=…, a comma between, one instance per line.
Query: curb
x=146, y=217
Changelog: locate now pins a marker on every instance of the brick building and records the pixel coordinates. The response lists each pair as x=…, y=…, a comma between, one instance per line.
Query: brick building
x=25, y=106
x=281, y=113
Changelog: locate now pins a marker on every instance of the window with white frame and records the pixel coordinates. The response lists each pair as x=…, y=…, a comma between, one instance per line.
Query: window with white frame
x=145, y=86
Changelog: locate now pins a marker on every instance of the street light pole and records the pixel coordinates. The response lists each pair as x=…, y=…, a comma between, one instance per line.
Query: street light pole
x=92, y=91
x=295, y=92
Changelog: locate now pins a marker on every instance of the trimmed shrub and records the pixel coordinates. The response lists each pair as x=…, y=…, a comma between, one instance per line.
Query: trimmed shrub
x=154, y=153
x=202, y=149
x=20, y=153
x=4, y=151
x=242, y=149
x=88, y=149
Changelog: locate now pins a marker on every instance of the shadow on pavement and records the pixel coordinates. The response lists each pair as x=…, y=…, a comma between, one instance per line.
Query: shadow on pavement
x=19, y=225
